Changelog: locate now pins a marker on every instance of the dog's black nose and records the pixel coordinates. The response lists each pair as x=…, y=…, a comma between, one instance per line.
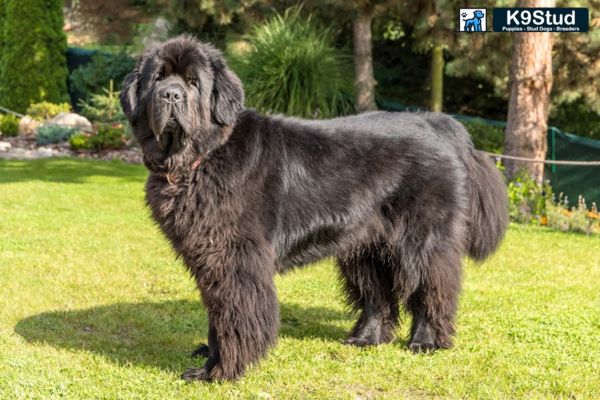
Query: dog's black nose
x=172, y=94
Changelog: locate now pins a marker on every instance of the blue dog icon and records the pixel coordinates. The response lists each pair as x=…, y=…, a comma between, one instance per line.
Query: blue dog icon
x=474, y=24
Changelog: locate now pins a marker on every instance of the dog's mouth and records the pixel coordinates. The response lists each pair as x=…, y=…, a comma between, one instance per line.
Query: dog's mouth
x=172, y=137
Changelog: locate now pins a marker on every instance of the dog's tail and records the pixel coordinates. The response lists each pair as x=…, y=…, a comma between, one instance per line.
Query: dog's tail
x=488, y=213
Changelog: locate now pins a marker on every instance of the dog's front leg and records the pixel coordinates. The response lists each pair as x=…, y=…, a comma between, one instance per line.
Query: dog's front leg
x=243, y=317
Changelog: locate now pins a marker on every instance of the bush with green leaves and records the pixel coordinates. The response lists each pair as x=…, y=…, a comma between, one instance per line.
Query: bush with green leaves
x=79, y=141
x=51, y=134
x=46, y=110
x=9, y=125
x=527, y=199
x=103, y=107
x=486, y=137
x=96, y=75
x=108, y=137
x=293, y=67
x=33, y=64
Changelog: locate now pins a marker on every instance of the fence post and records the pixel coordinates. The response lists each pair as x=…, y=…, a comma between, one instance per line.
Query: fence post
x=553, y=148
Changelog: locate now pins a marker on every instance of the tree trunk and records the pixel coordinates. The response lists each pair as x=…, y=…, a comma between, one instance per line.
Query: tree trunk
x=531, y=82
x=363, y=61
x=437, y=77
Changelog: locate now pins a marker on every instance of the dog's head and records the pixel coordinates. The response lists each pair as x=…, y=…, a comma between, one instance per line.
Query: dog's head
x=181, y=100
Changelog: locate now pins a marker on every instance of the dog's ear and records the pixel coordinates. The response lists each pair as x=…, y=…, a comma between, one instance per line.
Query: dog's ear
x=227, y=98
x=129, y=93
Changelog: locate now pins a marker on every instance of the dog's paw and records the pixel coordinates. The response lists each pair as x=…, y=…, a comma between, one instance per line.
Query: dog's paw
x=417, y=347
x=196, y=374
x=358, y=342
x=201, y=351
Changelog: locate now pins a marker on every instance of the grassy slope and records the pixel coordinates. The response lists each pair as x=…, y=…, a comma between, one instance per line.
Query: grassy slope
x=93, y=305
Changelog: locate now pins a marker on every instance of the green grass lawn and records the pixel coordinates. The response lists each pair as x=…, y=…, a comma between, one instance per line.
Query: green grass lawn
x=93, y=304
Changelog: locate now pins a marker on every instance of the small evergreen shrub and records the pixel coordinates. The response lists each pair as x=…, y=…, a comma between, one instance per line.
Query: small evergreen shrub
x=291, y=66
x=9, y=125
x=486, y=137
x=51, y=134
x=104, y=107
x=33, y=56
x=46, y=110
x=96, y=75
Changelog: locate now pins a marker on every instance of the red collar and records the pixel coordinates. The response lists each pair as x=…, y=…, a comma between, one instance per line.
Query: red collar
x=196, y=164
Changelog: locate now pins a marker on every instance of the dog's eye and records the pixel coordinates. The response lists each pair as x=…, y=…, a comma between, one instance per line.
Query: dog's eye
x=192, y=80
x=159, y=77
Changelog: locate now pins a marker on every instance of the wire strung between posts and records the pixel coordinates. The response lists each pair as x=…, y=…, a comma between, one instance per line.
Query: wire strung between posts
x=533, y=160
x=6, y=110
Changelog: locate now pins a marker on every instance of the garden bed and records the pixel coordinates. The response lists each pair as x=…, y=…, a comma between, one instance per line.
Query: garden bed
x=26, y=148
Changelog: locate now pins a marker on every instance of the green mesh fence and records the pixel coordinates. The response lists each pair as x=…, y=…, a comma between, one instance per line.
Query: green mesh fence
x=571, y=180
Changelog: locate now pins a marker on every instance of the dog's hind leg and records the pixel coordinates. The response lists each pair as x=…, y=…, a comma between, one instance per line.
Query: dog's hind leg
x=433, y=305
x=368, y=285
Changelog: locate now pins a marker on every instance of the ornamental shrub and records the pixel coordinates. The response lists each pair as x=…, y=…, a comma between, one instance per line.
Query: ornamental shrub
x=54, y=134
x=80, y=141
x=527, y=199
x=104, y=108
x=293, y=67
x=108, y=137
x=46, y=110
x=33, y=62
x=9, y=125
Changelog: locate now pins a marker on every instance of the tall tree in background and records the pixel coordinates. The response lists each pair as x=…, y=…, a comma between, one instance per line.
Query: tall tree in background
x=364, y=80
x=530, y=85
x=34, y=64
x=363, y=13
x=432, y=27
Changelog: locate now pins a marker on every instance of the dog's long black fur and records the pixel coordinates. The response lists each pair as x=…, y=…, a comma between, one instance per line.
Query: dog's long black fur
x=398, y=198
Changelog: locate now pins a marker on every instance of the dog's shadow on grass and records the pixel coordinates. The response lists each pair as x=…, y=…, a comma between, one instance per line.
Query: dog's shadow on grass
x=159, y=334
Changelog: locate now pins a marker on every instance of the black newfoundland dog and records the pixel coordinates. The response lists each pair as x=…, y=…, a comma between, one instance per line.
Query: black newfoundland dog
x=398, y=198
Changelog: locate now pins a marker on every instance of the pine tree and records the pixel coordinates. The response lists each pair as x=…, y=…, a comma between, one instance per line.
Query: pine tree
x=33, y=65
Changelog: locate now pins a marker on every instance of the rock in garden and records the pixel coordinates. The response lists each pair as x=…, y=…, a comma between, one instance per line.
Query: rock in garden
x=5, y=146
x=28, y=126
x=46, y=152
x=70, y=120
